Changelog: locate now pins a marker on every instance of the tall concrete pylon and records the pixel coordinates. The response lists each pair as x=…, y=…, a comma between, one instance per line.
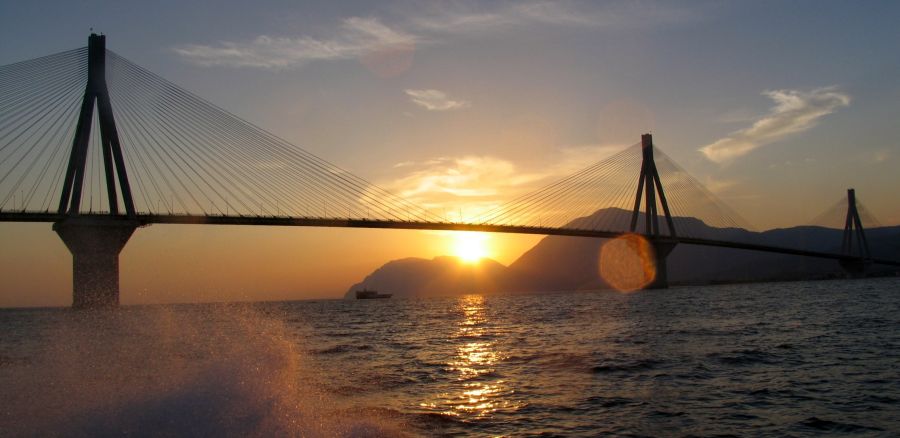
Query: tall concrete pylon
x=650, y=189
x=96, y=241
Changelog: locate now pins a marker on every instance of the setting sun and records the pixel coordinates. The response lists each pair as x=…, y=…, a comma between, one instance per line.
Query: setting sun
x=470, y=246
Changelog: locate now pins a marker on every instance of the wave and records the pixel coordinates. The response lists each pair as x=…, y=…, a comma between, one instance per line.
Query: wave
x=553, y=360
x=611, y=402
x=834, y=426
x=744, y=357
x=337, y=349
x=627, y=367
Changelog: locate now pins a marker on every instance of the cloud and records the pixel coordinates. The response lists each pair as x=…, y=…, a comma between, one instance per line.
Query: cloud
x=474, y=176
x=466, y=19
x=435, y=100
x=356, y=37
x=463, y=188
x=794, y=112
x=446, y=21
x=467, y=177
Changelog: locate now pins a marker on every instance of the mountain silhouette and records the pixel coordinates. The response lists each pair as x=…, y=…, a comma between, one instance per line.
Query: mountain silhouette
x=571, y=263
x=440, y=276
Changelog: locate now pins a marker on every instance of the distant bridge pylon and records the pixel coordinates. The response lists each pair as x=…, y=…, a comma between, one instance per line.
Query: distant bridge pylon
x=854, y=244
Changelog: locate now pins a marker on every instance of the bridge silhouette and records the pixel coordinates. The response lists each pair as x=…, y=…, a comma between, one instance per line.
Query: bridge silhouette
x=99, y=146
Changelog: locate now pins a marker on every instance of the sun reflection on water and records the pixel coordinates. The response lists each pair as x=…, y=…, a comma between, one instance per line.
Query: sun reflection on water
x=478, y=390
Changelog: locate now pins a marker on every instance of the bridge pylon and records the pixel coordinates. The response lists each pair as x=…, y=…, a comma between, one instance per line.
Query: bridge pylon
x=854, y=244
x=650, y=189
x=95, y=241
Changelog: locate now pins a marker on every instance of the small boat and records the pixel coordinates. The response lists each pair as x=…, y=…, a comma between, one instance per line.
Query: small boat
x=366, y=294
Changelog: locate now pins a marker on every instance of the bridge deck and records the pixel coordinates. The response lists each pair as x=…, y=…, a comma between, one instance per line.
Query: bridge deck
x=149, y=219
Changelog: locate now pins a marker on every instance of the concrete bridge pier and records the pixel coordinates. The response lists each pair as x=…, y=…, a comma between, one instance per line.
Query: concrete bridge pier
x=95, y=244
x=661, y=250
x=854, y=268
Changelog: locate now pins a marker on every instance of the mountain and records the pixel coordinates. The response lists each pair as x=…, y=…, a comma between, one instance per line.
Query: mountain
x=439, y=276
x=572, y=263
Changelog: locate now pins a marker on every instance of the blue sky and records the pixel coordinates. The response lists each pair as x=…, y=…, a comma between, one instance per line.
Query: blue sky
x=777, y=106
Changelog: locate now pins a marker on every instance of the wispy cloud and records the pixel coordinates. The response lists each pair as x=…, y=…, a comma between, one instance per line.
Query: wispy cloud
x=794, y=111
x=486, y=176
x=468, y=177
x=423, y=26
x=462, y=187
x=355, y=37
x=468, y=19
x=435, y=100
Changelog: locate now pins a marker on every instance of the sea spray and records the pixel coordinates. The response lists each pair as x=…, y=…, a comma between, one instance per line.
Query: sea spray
x=223, y=370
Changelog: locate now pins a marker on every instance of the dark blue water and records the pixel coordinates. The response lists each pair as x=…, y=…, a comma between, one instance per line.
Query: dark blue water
x=782, y=359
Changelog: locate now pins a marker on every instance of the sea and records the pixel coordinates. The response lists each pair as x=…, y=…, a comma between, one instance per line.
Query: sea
x=793, y=359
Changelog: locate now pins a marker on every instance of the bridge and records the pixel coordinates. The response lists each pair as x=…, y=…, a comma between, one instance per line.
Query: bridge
x=99, y=147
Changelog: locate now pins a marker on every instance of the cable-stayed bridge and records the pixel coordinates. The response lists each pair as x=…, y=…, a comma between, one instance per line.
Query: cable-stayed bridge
x=99, y=146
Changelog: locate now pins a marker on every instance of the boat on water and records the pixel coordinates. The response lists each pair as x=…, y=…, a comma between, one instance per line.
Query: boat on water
x=366, y=294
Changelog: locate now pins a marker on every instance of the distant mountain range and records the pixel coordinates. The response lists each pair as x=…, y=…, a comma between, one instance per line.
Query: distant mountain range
x=571, y=263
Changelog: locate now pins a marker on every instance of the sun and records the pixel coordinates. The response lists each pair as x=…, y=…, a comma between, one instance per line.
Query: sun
x=470, y=246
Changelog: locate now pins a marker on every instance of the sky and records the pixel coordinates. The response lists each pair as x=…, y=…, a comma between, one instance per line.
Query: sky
x=776, y=107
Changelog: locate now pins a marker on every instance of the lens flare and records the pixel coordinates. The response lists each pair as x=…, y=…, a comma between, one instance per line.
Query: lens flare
x=627, y=262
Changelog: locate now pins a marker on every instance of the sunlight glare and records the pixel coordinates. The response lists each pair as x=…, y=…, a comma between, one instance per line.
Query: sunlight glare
x=470, y=246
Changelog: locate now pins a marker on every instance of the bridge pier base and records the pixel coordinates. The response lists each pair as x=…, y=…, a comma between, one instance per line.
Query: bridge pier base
x=854, y=268
x=661, y=250
x=95, y=245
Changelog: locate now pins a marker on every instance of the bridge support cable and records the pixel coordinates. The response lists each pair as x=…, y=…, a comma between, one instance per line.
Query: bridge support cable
x=570, y=201
x=38, y=104
x=696, y=211
x=236, y=167
x=835, y=217
x=579, y=198
x=211, y=166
